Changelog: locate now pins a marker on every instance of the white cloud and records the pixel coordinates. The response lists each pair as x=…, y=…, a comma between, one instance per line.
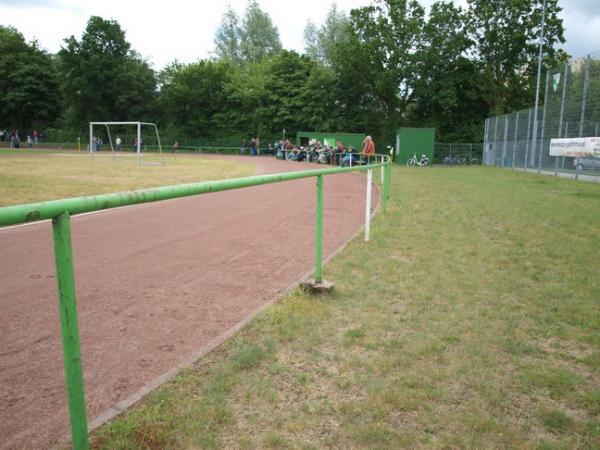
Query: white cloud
x=581, y=30
x=179, y=29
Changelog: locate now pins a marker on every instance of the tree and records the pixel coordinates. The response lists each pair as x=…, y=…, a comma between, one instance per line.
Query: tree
x=376, y=65
x=320, y=99
x=28, y=83
x=228, y=37
x=247, y=114
x=447, y=91
x=312, y=45
x=506, y=38
x=320, y=43
x=288, y=75
x=193, y=95
x=259, y=37
x=102, y=78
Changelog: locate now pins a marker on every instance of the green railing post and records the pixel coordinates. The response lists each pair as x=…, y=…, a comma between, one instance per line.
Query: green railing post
x=319, y=230
x=63, y=255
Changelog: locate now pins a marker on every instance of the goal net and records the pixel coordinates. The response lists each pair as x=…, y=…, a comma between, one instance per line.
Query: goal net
x=130, y=136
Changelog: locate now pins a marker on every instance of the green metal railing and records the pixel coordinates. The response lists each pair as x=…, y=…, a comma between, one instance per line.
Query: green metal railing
x=60, y=212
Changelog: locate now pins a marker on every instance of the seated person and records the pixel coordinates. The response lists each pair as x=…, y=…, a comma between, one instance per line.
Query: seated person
x=340, y=149
x=324, y=155
x=279, y=153
x=300, y=155
x=288, y=147
x=313, y=152
x=350, y=157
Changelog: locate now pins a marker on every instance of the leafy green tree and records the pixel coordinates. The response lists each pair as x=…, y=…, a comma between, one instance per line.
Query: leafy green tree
x=506, y=44
x=102, y=78
x=320, y=43
x=320, y=99
x=376, y=65
x=310, y=35
x=259, y=37
x=193, y=95
x=247, y=113
x=28, y=83
x=289, y=73
x=228, y=38
x=447, y=91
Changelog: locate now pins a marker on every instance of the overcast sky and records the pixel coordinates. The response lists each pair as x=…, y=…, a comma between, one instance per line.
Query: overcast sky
x=184, y=30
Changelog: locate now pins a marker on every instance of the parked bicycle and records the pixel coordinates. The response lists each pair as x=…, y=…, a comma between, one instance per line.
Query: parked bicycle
x=423, y=162
x=460, y=161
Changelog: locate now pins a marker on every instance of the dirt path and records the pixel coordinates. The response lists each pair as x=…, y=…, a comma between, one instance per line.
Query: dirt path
x=155, y=282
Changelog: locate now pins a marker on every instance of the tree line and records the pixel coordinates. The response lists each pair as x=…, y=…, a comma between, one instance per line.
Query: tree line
x=379, y=67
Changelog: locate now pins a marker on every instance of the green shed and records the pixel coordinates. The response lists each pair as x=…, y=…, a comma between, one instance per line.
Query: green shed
x=303, y=138
x=414, y=140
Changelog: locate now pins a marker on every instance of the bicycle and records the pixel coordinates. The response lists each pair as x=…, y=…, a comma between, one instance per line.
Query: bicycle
x=423, y=162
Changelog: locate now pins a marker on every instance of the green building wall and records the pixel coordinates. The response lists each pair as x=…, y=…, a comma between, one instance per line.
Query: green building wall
x=414, y=140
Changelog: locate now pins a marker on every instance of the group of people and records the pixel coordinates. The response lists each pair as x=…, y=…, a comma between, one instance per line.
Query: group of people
x=324, y=154
x=13, y=138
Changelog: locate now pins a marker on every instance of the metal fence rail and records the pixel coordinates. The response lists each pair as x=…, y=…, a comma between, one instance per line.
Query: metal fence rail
x=570, y=108
x=60, y=211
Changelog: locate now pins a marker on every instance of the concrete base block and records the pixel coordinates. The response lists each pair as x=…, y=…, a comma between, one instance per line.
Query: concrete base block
x=312, y=287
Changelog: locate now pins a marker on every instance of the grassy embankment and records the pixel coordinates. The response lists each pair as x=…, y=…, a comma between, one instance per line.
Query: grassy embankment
x=47, y=175
x=471, y=320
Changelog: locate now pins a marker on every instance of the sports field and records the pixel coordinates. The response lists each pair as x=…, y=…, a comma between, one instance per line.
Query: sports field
x=471, y=320
x=30, y=176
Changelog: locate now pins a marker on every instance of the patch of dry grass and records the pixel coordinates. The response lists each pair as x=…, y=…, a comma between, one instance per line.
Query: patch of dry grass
x=53, y=175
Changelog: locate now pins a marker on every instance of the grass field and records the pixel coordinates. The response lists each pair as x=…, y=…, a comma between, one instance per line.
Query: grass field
x=32, y=176
x=471, y=320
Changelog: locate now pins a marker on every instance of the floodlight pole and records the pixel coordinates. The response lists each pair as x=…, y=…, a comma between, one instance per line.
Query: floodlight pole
x=537, y=86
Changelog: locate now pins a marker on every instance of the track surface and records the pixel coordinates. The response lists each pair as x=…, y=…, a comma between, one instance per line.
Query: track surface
x=155, y=282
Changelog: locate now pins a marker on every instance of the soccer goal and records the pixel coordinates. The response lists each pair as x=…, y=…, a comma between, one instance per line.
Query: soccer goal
x=137, y=147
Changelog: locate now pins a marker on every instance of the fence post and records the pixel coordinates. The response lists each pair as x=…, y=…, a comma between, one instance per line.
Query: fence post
x=527, y=144
x=586, y=81
x=368, y=205
x=543, y=122
x=485, y=134
x=562, y=114
x=495, y=137
x=515, y=141
x=319, y=230
x=505, y=140
x=63, y=256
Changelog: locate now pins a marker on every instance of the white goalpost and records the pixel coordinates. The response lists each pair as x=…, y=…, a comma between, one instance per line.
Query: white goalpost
x=138, y=141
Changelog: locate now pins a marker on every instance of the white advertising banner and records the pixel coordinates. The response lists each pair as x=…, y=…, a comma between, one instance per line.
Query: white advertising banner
x=575, y=147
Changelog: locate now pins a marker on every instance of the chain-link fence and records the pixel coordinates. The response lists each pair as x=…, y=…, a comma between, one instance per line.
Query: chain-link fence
x=457, y=154
x=570, y=107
